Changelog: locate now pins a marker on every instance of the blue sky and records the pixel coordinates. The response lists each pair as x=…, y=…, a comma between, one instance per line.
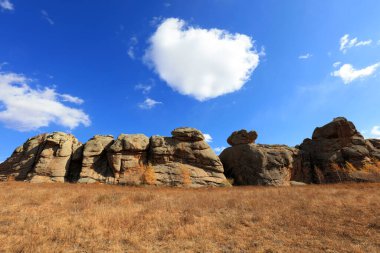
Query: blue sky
x=111, y=67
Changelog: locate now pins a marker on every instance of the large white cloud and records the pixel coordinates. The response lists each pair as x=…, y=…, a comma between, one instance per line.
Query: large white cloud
x=349, y=74
x=24, y=108
x=199, y=62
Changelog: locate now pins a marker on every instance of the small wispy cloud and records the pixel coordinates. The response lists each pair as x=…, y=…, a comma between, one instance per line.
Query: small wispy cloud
x=208, y=138
x=337, y=64
x=46, y=16
x=2, y=64
x=149, y=104
x=131, y=49
x=145, y=88
x=6, y=5
x=167, y=4
x=305, y=56
x=71, y=99
x=349, y=74
x=347, y=43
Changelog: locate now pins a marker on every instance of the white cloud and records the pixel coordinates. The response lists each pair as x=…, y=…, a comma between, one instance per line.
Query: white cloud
x=45, y=15
x=71, y=99
x=337, y=64
x=198, y=62
x=149, y=104
x=208, y=138
x=131, y=50
x=25, y=109
x=6, y=5
x=145, y=88
x=376, y=131
x=219, y=150
x=347, y=43
x=2, y=64
x=348, y=74
x=305, y=56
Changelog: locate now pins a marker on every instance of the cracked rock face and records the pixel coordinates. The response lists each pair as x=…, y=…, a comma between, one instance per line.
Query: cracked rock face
x=54, y=159
x=95, y=167
x=184, y=159
x=254, y=164
x=128, y=158
x=337, y=152
x=23, y=159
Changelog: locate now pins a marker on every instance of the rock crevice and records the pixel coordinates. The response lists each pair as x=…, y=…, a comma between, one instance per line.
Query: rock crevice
x=184, y=159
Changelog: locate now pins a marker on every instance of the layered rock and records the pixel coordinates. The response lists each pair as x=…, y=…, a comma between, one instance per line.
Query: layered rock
x=127, y=157
x=95, y=166
x=53, y=161
x=23, y=159
x=185, y=159
x=337, y=152
x=253, y=164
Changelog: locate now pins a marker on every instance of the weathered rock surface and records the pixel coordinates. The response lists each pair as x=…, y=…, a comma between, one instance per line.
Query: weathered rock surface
x=253, y=164
x=337, y=152
x=95, y=167
x=133, y=159
x=185, y=159
x=54, y=159
x=242, y=137
x=23, y=159
x=128, y=158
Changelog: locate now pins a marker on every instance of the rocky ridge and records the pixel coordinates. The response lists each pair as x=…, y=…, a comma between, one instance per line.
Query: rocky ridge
x=184, y=159
x=337, y=152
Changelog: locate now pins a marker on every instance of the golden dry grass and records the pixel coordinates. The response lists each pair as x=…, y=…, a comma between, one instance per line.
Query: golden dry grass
x=101, y=218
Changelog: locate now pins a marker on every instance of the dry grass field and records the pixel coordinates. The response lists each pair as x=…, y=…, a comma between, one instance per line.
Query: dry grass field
x=102, y=218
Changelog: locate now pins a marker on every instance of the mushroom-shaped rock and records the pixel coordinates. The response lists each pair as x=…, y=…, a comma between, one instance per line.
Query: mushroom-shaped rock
x=242, y=137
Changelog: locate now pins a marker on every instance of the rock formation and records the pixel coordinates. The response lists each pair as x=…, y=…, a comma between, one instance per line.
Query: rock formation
x=95, y=167
x=253, y=164
x=52, y=163
x=184, y=159
x=128, y=158
x=337, y=152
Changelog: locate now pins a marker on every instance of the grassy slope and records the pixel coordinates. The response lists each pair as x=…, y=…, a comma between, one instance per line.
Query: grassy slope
x=101, y=218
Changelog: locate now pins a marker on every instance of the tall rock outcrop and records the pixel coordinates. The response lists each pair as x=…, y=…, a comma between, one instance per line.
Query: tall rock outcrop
x=248, y=163
x=184, y=159
x=338, y=152
x=23, y=159
x=42, y=158
x=53, y=162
